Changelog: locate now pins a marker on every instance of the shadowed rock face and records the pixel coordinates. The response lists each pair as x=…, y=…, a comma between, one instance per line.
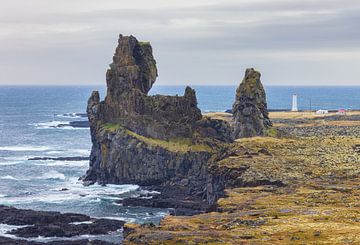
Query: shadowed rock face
x=251, y=117
x=148, y=140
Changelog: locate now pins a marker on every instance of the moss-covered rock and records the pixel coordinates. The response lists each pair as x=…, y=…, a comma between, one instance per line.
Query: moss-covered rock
x=251, y=117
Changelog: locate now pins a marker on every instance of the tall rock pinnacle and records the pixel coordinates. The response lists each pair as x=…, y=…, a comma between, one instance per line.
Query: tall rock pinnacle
x=133, y=67
x=250, y=108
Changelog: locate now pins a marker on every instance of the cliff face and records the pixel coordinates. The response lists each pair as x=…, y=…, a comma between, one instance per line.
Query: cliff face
x=145, y=139
x=164, y=140
x=251, y=117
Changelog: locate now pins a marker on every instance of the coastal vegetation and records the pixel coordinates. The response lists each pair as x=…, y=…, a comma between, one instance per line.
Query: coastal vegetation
x=311, y=195
x=173, y=144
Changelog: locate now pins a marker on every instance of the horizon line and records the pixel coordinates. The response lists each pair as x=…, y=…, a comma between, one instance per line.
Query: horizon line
x=178, y=85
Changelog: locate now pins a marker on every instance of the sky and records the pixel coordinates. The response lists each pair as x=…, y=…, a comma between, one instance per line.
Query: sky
x=202, y=42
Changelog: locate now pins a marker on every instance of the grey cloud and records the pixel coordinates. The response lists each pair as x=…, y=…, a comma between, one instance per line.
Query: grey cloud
x=199, y=44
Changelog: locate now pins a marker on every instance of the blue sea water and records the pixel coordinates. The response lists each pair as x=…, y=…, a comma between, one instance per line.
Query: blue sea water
x=220, y=98
x=27, y=115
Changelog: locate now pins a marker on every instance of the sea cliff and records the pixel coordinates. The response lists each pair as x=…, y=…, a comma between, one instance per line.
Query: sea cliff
x=164, y=141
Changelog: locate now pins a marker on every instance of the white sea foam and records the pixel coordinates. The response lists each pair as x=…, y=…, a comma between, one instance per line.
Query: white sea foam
x=24, y=148
x=2, y=195
x=80, y=223
x=51, y=124
x=6, y=163
x=54, y=152
x=128, y=220
x=8, y=177
x=73, y=191
x=51, y=163
x=59, y=197
x=53, y=175
x=69, y=115
x=4, y=229
x=85, y=152
x=55, y=124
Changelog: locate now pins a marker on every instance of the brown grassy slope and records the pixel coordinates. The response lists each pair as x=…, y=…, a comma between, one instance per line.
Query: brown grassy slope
x=319, y=204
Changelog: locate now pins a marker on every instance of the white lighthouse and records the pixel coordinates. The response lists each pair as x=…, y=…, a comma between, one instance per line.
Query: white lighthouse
x=294, y=103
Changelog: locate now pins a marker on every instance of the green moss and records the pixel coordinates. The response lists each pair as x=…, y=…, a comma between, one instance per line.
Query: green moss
x=112, y=127
x=144, y=43
x=271, y=132
x=174, y=144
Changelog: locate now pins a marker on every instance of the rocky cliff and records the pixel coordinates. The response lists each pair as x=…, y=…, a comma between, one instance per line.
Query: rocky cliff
x=251, y=117
x=149, y=140
x=164, y=140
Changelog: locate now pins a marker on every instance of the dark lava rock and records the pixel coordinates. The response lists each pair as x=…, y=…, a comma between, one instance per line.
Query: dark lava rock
x=178, y=198
x=14, y=216
x=58, y=229
x=250, y=108
x=55, y=224
x=130, y=130
x=74, y=124
x=10, y=241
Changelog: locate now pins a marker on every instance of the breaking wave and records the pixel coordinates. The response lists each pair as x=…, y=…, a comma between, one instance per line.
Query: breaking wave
x=52, y=175
x=24, y=148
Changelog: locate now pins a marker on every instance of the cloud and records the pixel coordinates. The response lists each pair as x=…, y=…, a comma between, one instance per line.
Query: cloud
x=200, y=42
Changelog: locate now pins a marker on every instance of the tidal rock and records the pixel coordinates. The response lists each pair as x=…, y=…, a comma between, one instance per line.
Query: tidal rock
x=178, y=198
x=74, y=124
x=251, y=117
x=53, y=224
x=12, y=241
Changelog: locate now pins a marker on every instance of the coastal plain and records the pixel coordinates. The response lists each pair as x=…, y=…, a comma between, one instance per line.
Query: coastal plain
x=297, y=185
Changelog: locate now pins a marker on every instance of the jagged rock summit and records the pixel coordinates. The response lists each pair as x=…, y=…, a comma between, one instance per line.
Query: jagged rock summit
x=251, y=117
x=129, y=79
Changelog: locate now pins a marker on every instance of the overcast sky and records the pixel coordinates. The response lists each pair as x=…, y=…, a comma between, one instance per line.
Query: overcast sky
x=206, y=42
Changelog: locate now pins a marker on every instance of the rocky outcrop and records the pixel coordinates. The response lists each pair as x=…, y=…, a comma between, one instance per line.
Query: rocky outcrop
x=129, y=79
x=164, y=140
x=251, y=117
x=149, y=140
x=33, y=224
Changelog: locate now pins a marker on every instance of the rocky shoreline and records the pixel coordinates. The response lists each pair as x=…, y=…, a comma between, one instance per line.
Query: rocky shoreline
x=26, y=225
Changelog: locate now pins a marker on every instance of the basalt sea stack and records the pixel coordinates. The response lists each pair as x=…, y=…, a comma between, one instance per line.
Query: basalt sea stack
x=251, y=117
x=149, y=140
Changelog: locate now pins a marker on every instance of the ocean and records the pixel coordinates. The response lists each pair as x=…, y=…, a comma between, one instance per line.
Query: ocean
x=27, y=119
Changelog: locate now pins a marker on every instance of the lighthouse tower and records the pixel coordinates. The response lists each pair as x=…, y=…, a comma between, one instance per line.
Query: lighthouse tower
x=294, y=103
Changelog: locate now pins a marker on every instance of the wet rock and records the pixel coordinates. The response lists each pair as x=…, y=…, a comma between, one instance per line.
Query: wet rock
x=251, y=116
x=61, y=229
x=74, y=124
x=11, y=241
x=177, y=198
x=54, y=224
